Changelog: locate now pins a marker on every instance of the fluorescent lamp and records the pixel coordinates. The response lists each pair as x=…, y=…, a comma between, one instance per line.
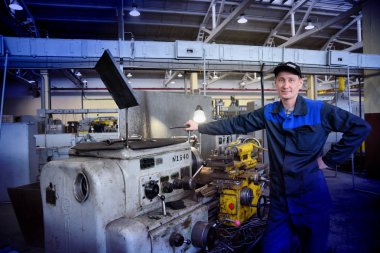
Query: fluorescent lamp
x=309, y=25
x=134, y=12
x=242, y=19
x=14, y=5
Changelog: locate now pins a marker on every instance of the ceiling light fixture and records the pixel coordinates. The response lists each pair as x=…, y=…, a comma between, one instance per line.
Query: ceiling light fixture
x=134, y=12
x=309, y=25
x=242, y=19
x=129, y=75
x=180, y=74
x=215, y=76
x=15, y=5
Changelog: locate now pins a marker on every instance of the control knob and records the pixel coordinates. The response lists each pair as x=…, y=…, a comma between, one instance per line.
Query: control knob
x=151, y=189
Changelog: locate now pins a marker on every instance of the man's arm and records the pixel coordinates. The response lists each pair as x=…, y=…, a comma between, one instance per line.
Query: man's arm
x=354, y=130
x=241, y=124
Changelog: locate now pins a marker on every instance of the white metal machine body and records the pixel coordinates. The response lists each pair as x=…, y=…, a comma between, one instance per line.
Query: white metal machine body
x=111, y=201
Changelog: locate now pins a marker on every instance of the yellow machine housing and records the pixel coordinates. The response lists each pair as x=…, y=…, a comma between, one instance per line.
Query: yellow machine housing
x=238, y=200
x=243, y=153
x=235, y=175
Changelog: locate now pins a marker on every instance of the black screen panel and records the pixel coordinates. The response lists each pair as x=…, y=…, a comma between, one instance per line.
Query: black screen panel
x=115, y=81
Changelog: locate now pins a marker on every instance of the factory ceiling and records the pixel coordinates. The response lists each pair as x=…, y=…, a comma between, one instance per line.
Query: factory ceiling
x=275, y=23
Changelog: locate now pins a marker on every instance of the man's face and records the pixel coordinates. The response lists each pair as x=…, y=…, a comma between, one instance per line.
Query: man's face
x=288, y=85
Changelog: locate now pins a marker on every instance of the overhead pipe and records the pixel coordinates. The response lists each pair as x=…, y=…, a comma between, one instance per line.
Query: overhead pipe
x=43, y=89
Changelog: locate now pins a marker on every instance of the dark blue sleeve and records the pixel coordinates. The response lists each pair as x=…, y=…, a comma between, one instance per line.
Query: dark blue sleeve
x=354, y=130
x=241, y=124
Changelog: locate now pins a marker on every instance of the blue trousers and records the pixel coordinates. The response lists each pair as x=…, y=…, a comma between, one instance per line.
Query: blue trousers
x=305, y=231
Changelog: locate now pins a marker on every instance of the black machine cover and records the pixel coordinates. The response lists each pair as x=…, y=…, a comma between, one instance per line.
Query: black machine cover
x=115, y=81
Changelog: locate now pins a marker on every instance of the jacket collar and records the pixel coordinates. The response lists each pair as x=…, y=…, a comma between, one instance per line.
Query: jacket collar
x=299, y=109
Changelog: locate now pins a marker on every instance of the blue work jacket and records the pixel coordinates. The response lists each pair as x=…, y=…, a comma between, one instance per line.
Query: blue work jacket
x=294, y=144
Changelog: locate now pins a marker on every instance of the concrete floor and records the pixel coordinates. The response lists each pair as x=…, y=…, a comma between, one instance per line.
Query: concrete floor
x=355, y=219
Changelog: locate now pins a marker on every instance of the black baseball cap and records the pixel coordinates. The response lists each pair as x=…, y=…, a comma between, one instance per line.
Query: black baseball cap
x=289, y=67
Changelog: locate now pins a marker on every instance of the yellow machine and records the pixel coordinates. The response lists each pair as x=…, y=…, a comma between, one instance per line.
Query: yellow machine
x=244, y=155
x=239, y=181
x=239, y=199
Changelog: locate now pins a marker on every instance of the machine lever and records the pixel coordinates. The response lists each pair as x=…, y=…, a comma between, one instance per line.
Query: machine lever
x=264, y=179
x=184, y=126
x=162, y=197
x=199, y=170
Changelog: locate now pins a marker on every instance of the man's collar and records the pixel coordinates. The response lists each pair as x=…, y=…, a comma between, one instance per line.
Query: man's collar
x=300, y=107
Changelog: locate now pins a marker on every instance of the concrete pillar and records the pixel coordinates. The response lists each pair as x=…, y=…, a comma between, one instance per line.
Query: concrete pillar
x=371, y=45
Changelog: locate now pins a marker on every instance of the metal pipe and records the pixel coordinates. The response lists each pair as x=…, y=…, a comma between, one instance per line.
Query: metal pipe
x=292, y=24
x=350, y=110
x=43, y=91
x=204, y=73
x=120, y=13
x=359, y=29
x=3, y=90
x=262, y=99
x=336, y=134
x=213, y=16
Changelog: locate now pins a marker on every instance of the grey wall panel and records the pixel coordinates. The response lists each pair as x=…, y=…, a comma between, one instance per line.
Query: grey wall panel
x=159, y=111
x=18, y=156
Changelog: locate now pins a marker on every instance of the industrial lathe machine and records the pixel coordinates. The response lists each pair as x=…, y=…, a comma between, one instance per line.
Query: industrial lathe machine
x=143, y=195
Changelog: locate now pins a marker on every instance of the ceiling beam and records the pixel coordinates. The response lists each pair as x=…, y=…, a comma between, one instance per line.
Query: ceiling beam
x=221, y=8
x=219, y=29
x=256, y=80
x=354, y=47
x=217, y=79
x=170, y=77
x=335, y=36
x=344, y=15
x=275, y=30
x=202, y=26
x=256, y=5
x=73, y=78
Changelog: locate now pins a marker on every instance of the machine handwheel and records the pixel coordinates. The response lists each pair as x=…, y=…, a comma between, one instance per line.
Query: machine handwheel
x=261, y=207
x=203, y=235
